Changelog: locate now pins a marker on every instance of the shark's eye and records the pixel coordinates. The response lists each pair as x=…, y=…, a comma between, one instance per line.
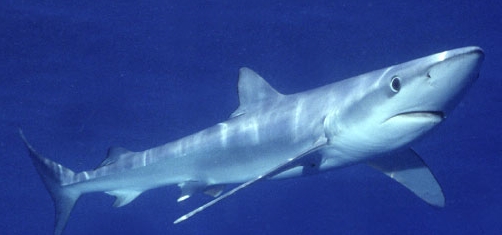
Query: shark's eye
x=395, y=84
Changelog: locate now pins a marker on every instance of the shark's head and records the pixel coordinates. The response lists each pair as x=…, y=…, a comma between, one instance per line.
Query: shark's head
x=387, y=109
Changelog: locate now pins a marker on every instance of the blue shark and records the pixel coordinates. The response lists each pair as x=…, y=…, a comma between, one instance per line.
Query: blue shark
x=373, y=118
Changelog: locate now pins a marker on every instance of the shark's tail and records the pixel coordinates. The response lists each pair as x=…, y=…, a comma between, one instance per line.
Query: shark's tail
x=55, y=177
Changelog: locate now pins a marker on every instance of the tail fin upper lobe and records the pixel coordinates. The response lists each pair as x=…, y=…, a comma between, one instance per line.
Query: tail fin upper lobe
x=55, y=177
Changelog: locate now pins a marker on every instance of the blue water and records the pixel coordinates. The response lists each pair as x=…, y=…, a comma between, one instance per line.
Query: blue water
x=80, y=76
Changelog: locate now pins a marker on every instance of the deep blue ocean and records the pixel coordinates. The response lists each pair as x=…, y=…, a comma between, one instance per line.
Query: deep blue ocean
x=81, y=76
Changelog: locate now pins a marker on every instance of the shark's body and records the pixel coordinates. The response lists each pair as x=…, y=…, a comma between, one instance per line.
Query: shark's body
x=372, y=118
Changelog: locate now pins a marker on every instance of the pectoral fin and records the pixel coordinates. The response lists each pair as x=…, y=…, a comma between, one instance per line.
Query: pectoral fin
x=410, y=170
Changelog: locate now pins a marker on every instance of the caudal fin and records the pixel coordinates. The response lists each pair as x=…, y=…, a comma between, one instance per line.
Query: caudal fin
x=55, y=177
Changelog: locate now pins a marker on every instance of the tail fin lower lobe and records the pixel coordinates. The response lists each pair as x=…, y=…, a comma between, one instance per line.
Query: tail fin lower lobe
x=55, y=177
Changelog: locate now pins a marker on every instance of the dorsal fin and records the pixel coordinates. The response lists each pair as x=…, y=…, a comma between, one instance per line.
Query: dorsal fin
x=114, y=154
x=253, y=89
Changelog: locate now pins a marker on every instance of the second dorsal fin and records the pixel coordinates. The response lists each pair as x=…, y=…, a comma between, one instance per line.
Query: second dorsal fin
x=253, y=89
x=114, y=154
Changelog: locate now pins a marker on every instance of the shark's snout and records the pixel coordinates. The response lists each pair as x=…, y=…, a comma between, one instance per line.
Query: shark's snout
x=464, y=63
x=451, y=75
x=473, y=52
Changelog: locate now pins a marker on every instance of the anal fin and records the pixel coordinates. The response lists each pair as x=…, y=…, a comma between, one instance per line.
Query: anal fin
x=410, y=170
x=124, y=197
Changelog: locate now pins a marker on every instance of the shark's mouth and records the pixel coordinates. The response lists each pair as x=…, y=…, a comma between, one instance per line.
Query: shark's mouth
x=421, y=114
x=437, y=115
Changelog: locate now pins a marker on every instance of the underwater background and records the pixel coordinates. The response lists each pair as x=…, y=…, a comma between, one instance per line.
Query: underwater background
x=81, y=76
